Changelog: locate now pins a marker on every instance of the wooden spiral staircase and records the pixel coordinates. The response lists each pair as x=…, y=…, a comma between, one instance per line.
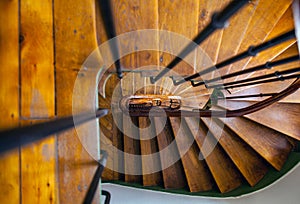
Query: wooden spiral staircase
x=248, y=148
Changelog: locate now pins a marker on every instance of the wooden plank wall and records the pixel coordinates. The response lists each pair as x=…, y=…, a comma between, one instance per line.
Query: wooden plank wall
x=9, y=87
x=36, y=84
x=38, y=160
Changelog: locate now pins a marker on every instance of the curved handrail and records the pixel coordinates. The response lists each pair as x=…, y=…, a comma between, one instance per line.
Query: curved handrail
x=157, y=112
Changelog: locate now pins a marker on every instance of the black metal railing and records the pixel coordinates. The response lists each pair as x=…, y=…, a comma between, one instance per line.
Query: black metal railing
x=279, y=76
x=251, y=51
x=13, y=138
x=248, y=96
x=267, y=65
x=95, y=181
x=107, y=17
x=218, y=21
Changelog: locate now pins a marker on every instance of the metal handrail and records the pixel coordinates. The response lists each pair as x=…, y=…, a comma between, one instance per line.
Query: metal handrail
x=13, y=138
x=280, y=76
x=209, y=113
x=107, y=17
x=267, y=65
x=218, y=21
x=251, y=51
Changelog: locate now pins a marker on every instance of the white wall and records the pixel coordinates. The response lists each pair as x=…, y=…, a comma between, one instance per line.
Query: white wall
x=284, y=191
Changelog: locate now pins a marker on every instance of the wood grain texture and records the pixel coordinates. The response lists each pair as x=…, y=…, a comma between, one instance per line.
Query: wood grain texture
x=75, y=39
x=173, y=175
x=206, y=10
x=149, y=152
x=38, y=160
x=132, y=163
x=135, y=15
x=9, y=98
x=38, y=167
x=249, y=163
x=234, y=34
x=283, y=117
x=270, y=144
x=197, y=174
x=183, y=21
x=37, y=58
x=221, y=167
x=285, y=24
x=265, y=17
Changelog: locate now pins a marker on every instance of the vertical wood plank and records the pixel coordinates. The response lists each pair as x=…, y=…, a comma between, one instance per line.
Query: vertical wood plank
x=149, y=146
x=181, y=17
x=173, y=176
x=132, y=164
x=133, y=15
x=9, y=107
x=37, y=58
x=75, y=39
x=38, y=160
x=38, y=170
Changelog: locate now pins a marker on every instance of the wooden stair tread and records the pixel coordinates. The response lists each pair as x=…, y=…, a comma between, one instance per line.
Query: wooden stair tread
x=263, y=20
x=222, y=169
x=132, y=165
x=196, y=171
x=284, y=24
x=233, y=35
x=283, y=117
x=173, y=175
x=270, y=144
x=246, y=159
x=150, y=160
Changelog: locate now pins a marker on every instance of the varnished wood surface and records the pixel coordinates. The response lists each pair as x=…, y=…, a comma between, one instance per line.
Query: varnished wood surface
x=150, y=156
x=132, y=164
x=284, y=24
x=263, y=20
x=75, y=39
x=249, y=163
x=173, y=175
x=38, y=160
x=270, y=144
x=233, y=35
x=221, y=167
x=9, y=98
x=196, y=171
x=283, y=117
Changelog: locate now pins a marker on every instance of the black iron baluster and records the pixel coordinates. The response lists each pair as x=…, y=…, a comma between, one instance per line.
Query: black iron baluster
x=247, y=96
x=12, y=138
x=267, y=65
x=218, y=21
x=252, y=51
x=106, y=13
x=252, y=81
x=95, y=182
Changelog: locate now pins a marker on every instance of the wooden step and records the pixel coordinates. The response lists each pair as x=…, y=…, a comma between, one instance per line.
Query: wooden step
x=150, y=155
x=132, y=164
x=286, y=23
x=270, y=144
x=196, y=171
x=283, y=117
x=221, y=167
x=244, y=157
x=266, y=15
x=173, y=175
x=234, y=34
